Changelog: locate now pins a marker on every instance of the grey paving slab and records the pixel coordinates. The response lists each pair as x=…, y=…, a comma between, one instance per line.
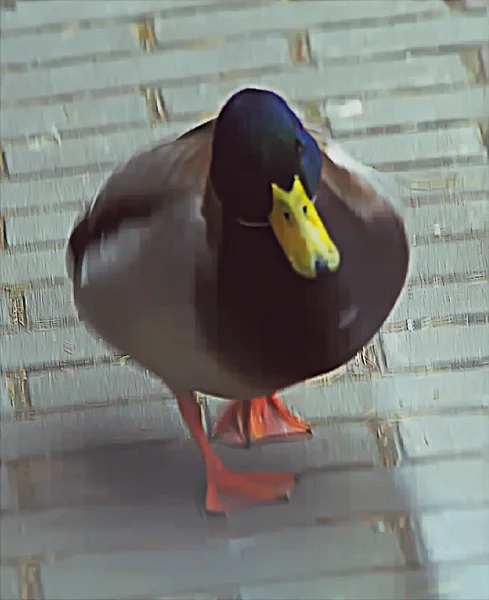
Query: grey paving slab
x=76, y=42
x=457, y=534
x=71, y=43
x=275, y=17
x=450, y=180
x=458, y=142
x=454, y=257
x=9, y=583
x=50, y=192
x=111, y=148
x=442, y=301
x=438, y=345
x=333, y=81
x=93, y=385
x=356, y=114
x=441, y=220
x=299, y=553
x=4, y=310
x=5, y=406
x=384, y=396
x=49, y=347
x=17, y=268
x=445, y=435
x=51, y=12
x=449, y=583
x=8, y=499
x=50, y=120
x=91, y=428
x=417, y=489
x=144, y=69
x=455, y=31
x=39, y=228
x=45, y=306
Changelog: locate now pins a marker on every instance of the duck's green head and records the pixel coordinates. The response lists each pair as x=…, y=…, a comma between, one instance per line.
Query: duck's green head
x=266, y=170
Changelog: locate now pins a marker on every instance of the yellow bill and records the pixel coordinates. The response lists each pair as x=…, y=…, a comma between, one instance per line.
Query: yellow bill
x=301, y=233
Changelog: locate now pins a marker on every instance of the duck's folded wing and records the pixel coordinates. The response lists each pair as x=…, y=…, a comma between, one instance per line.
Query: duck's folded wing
x=171, y=170
x=366, y=191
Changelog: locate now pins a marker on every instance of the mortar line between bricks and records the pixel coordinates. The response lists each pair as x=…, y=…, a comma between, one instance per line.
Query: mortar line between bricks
x=392, y=455
x=29, y=571
x=101, y=23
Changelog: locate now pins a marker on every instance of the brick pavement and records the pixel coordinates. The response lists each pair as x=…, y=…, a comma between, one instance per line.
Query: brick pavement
x=394, y=502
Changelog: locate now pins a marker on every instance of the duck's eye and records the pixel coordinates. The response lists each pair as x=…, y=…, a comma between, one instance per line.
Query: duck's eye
x=304, y=210
x=287, y=216
x=299, y=147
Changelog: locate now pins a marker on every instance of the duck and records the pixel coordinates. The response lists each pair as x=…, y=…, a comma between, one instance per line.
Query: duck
x=245, y=256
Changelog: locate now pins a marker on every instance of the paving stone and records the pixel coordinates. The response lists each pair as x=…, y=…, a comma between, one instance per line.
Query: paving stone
x=441, y=220
x=76, y=42
x=393, y=394
x=467, y=178
x=26, y=349
x=91, y=428
x=379, y=491
x=335, y=81
x=30, y=121
x=445, y=435
x=475, y=4
x=51, y=12
x=299, y=553
x=147, y=69
x=110, y=148
x=39, y=228
x=457, y=534
x=5, y=406
x=455, y=31
x=93, y=385
x=442, y=301
x=91, y=150
x=447, y=582
x=430, y=346
x=70, y=43
x=271, y=16
x=4, y=309
x=330, y=445
x=51, y=305
x=411, y=147
x=24, y=267
x=9, y=583
x=51, y=192
x=454, y=257
x=356, y=114
x=7, y=494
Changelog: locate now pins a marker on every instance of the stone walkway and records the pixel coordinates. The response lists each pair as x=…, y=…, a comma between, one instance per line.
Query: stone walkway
x=98, y=480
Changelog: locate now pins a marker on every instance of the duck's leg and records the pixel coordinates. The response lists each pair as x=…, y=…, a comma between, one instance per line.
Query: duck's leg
x=228, y=489
x=261, y=419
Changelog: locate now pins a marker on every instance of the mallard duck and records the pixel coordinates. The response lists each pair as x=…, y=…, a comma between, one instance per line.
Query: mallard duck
x=243, y=257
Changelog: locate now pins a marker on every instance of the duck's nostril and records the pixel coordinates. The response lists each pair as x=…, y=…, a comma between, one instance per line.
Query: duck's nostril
x=320, y=265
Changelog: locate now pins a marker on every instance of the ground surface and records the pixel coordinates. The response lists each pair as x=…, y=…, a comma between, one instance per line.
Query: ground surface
x=98, y=481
